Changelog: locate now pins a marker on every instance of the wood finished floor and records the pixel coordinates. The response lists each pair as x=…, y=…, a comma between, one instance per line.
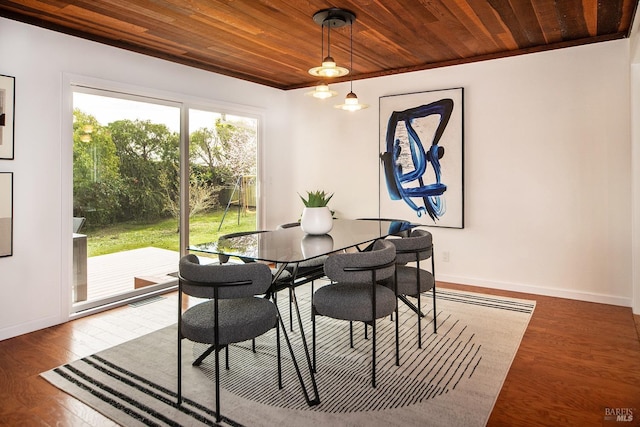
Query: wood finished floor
x=575, y=359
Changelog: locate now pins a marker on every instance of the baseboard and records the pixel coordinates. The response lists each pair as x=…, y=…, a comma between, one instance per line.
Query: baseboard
x=539, y=290
x=25, y=328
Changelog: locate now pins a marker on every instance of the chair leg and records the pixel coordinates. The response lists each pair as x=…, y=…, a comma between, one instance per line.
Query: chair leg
x=312, y=282
x=373, y=358
x=290, y=309
x=397, y=337
x=419, y=324
x=419, y=308
x=179, y=369
x=217, y=359
x=278, y=354
x=179, y=347
x=435, y=328
x=395, y=291
x=351, y=333
x=433, y=273
x=226, y=357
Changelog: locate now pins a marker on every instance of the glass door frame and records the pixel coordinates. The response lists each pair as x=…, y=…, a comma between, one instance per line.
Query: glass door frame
x=185, y=103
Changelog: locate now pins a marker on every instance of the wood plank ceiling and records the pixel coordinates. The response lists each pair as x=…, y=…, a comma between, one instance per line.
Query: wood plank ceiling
x=274, y=43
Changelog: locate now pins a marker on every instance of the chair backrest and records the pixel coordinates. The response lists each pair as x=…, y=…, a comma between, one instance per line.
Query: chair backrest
x=232, y=280
x=340, y=267
x=419, y=243
x=78, y=222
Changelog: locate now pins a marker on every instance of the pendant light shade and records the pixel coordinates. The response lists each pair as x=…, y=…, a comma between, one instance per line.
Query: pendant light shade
x=331, y=18
x=322, y=91
x=351, y=103
x=328, y=69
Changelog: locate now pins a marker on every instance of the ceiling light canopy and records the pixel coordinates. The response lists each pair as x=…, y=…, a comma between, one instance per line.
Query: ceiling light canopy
x=331, y=18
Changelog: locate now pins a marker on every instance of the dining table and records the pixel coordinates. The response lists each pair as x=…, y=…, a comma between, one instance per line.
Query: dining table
x=289, y=251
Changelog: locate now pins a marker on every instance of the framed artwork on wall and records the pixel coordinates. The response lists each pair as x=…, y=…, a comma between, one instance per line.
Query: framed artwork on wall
x=6, y=214
x=421, y=157
x=7, y=105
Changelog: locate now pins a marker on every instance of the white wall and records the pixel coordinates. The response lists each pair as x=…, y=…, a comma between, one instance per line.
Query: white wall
x=34, y=282
x=635, y=186
x=547, y=168
x=635, y=162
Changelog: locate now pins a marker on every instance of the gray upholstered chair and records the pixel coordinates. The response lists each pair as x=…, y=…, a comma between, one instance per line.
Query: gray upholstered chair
x=412, y=281
x=231, y=313
x=356, y=295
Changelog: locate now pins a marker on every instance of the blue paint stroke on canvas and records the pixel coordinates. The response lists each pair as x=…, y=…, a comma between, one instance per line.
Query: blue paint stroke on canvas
x=407, y=171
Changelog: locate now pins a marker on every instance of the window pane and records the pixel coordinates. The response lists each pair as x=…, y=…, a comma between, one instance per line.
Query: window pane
x=126, y=189
x=223, y=171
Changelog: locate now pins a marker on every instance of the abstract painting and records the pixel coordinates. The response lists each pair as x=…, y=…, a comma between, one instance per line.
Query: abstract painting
x=421, y=157
x=7, y=103
x=6, y=214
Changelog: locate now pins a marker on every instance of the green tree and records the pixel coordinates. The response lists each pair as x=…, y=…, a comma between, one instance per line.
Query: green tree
x=149, y=158
x=240, y=155
x=202, y=198
x=96, y=171
x=227, y=150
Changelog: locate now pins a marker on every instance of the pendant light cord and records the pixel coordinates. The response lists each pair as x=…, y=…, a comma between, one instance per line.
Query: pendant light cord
x=351, y=49
x=329, y=39
x=322, y=43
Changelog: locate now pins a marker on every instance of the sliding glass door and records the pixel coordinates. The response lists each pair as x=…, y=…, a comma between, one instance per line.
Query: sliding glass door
x=125, y=182
x=126, y=189
x=223, y=171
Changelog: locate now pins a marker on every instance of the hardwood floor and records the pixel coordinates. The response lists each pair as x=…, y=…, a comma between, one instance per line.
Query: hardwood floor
x=575, y=360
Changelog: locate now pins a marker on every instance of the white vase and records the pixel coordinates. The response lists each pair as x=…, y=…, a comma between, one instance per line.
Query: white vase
x=316, y=220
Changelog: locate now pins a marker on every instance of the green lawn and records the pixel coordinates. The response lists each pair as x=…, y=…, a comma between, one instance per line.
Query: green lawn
x=164, y=234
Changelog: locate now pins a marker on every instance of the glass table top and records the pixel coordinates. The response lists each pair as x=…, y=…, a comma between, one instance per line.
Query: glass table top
x=292, y=245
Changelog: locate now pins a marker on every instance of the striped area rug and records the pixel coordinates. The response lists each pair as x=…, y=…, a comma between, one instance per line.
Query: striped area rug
x=452, y=380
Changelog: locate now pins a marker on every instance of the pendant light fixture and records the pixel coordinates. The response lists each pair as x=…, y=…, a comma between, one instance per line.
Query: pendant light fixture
x=351, y=100
x=322, y=91
x=331, y=18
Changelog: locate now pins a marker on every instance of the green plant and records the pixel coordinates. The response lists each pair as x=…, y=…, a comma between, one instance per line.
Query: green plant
x=316, y=199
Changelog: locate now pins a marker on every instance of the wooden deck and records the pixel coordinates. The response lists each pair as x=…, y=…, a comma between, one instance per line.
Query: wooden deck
x=114, y=274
